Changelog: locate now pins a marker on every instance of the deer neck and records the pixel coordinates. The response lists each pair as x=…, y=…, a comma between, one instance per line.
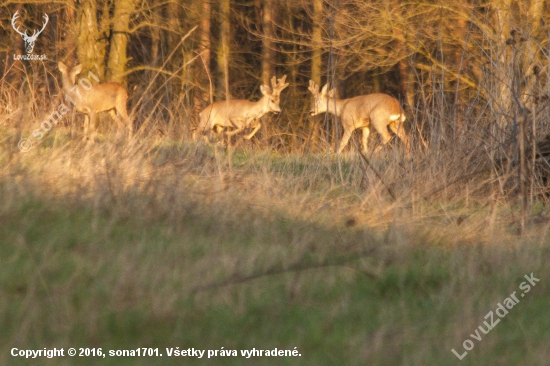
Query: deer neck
x=335, y=106
x=67, y=85
x=260, y=107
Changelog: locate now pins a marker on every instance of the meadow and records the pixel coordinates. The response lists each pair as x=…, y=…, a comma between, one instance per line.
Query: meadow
x=120, y=243
x=145, y=238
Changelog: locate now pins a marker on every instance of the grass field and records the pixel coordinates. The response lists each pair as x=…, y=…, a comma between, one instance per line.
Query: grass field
x=164, y=244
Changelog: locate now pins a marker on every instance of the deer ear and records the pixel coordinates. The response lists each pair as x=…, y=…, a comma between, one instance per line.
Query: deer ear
x=266, y=90
x=331, y=93
x=62, y=67
x=77, y=69
x=324, y=90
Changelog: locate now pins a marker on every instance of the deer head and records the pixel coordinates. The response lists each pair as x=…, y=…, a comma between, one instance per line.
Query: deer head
x=273, y=97
x=29, y=40
x=320, y=100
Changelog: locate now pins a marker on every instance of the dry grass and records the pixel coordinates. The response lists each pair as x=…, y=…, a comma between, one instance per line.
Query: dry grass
x=151, y=242
x=158, y=242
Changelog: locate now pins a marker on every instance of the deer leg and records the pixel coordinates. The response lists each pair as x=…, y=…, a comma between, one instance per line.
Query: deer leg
x=380, y=122
x=200, y=134
x=345, y=139
x=93, y=121
x=115, y=118
x=217, y=130
x=120, y=106
x=386, y=137
x=399, y=130
x=234, y=132
x=86, y=124
x=238, y=124
x=258, y=125
x=366, y=133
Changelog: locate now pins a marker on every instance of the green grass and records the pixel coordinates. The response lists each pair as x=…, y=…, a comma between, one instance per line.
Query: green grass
x=188, y=260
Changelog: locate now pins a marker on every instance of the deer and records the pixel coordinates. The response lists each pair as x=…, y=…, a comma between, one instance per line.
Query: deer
x=106, y=97
x=362, y=112
x=29, y=40
x=240, y=114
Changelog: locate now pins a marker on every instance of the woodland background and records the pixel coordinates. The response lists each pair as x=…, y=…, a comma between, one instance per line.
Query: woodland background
x=379, y=259
x=460, y=68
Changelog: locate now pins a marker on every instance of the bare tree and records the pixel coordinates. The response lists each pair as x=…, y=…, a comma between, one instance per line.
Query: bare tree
x=90, y=45
x=268, y=53
x=123, y=9
x=204, y=52
x=224, y=47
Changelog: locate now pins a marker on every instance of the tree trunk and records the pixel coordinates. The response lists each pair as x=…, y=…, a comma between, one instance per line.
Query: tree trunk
x=223, y=51
x=119, y=40
x=504, y=68
x=317, y=41
x=406, y=75
x=204, y=50
x=533, y=58
x=174, y=90
x=70, y=34
x=91, y=53
x=267, y=42
x=316, y=64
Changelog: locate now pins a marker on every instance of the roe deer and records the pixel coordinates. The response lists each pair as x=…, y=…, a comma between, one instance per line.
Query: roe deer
x=239, y=114
x=376, y=110
x=103, y=97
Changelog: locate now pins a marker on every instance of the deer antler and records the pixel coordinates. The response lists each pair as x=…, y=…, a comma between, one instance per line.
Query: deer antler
x=13, y=19
x=278, y=84
x=313, y=88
